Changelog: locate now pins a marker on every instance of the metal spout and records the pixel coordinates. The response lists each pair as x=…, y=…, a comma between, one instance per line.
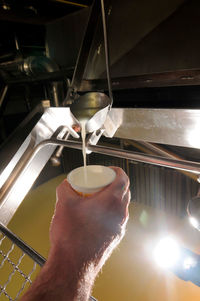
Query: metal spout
x=92, y=108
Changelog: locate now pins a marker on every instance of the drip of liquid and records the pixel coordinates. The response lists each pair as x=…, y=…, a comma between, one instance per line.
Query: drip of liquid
x=83, y=135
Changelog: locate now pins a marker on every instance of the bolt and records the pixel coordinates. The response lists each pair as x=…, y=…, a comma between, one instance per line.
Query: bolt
x=109, y=10
x=99, y=49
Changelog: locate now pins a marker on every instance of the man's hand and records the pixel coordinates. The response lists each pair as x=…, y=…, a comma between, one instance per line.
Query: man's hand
x=88, y=225
x=83, y=233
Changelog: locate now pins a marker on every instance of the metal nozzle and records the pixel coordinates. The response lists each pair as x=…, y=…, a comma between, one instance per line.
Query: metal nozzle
x=92, y=107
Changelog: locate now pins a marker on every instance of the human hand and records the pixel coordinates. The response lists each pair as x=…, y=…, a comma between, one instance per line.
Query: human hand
x=83, y=233
x=87, y=226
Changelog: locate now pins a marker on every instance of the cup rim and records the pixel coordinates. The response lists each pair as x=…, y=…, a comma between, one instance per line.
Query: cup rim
x=91, y=188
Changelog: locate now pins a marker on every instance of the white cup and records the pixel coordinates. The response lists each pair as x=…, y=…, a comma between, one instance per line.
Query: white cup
x=98, y=177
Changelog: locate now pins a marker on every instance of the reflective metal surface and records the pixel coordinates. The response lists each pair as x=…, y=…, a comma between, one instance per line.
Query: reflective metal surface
x=106, y=49
x=17, y=275
x=3, y=94
x=22, y=171
x=175, y=127
x=193, y=210
x=189, y=166
x=13, y=194
x=92, y=107
x=178, y=127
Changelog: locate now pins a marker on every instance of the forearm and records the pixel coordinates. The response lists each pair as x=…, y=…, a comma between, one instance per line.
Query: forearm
x=63, y=279
x=83, y=234
x=68, y=275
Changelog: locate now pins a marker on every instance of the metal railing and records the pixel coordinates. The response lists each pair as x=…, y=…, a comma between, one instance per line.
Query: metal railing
x=19, y=264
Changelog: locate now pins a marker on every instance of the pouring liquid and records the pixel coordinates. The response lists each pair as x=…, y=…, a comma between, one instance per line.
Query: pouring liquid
x=83, y=135
x=87, y=180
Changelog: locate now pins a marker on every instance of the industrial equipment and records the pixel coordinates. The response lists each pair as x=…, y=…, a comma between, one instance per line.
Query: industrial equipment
x=157, y=145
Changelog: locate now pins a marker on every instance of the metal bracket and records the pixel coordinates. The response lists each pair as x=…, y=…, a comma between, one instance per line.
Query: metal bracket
x=23, y=169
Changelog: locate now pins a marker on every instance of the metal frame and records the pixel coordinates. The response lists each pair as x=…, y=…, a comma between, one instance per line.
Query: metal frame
x=12, y=264
x=164, y=79
x=170, y=126
x=86, y=44
x=84, y=51
x=19, y=175
x=40, y=260
x=174, y=127
x=189, y=166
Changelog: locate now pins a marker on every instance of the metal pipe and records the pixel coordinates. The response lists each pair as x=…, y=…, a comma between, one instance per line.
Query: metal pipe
x=3, y=94
x=106, y=48
x=160, y=151
x=7, y=56
x=55, y=159
x=23, y=246
x=33, y=67
x=188, y=166
x=84, y=51
x=71, y=3
x=43, y=77
x=21, y=164
x=26, y=158
x=55, y=94
x=156, y=150
x=17, y=43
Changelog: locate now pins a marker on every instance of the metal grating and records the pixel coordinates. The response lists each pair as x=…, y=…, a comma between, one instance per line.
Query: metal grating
x=17, y=270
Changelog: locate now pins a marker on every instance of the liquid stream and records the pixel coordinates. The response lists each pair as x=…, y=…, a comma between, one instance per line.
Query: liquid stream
x=83, y=135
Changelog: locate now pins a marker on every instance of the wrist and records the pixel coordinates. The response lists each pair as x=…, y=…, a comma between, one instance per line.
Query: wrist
x=71, y=273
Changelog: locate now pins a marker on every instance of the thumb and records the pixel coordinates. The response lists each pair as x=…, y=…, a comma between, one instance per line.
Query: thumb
x=119, y=186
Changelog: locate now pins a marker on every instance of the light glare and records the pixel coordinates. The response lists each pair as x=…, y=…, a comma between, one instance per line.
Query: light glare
x=194, y=222
x=167, y=252
x=189, y=262
x=193, y=136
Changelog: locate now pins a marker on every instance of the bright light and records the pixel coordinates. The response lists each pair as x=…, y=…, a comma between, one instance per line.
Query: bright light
x=167, y=252
x=194, y=222
x=193, y=129
x=189, y=262
x=193, y=138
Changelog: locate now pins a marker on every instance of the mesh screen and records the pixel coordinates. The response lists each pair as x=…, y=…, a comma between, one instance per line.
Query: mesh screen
x=17, y=270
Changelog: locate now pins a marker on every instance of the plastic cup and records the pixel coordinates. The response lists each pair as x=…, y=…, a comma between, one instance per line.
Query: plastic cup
x=98, y=177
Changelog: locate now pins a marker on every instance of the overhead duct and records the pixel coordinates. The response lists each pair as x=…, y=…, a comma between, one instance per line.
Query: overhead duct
x=32, y=67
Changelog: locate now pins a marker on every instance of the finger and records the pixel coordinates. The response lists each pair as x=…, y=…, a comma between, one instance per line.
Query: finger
x=126, y=202
x=65, y=192
x=126, y=199
x=121, y=181
x=118, y=216
x=119, y=186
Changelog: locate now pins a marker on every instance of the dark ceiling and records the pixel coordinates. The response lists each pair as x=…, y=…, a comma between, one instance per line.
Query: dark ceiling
x=22, y=34
x=154, y=48
x=37, y=11
x=26, y=20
